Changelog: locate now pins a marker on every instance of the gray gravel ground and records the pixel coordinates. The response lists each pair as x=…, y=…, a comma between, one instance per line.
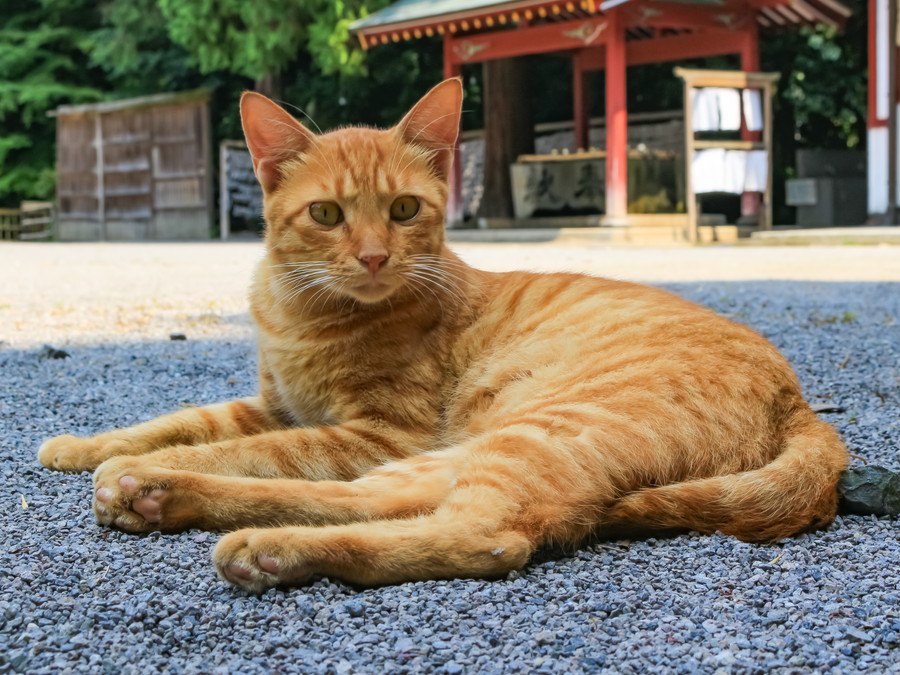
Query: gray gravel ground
x=75, y=597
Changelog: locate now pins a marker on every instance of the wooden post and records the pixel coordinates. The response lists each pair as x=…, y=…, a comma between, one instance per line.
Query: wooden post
x=690, y=199
x=224, y=206
x=766, y=217
x=750, y=64
x=100, y=168
x=892, y=169
x=454, y=199
x=579, y=101
x=616, y=119
x=207, y=152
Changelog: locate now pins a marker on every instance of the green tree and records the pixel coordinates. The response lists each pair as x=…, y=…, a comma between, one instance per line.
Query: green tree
x=42, y=65
x=823, y=88
x=260, y=40
x=133, y=48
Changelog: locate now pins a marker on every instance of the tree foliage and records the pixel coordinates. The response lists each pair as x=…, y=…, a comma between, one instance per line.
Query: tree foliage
x=259, y=39
x=42, y=65
x=823, y=87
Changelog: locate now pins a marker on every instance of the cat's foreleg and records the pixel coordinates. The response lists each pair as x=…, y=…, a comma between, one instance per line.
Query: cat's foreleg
x=190, y=426
x=151, y=498
x=202, y=486
x=339, y=452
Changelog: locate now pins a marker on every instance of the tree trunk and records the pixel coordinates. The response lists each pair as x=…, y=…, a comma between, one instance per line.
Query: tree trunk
x=508, y=131
x=269, y=85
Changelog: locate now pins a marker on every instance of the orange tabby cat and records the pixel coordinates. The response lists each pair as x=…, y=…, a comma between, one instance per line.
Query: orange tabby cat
x=417, y=418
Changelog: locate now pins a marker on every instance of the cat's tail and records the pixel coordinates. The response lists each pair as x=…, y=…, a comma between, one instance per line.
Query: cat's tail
x=796, y=491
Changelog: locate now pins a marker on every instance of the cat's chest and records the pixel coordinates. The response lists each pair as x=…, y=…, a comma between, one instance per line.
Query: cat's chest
x=306, y=378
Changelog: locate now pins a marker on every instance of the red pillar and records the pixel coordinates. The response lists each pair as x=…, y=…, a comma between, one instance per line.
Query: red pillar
x=579, y=101
x=750, y=64
x=616, y=118
x=454, y=201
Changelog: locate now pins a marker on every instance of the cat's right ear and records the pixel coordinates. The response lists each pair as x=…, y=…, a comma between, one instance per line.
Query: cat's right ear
x=273, y=136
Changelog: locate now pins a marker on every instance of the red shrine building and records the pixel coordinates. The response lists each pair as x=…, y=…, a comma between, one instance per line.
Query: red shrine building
x=609, y=36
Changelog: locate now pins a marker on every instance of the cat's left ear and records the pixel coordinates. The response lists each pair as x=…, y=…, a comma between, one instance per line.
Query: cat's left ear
x=434, y=122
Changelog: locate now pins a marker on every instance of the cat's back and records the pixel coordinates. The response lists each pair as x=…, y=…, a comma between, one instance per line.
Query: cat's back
x=541, y=335
x=529, y=308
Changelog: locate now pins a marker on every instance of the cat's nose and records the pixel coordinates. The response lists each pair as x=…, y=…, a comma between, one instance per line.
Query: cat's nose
x=373, y=262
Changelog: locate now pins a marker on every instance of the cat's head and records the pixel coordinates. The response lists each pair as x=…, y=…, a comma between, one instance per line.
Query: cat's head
x=353, y=207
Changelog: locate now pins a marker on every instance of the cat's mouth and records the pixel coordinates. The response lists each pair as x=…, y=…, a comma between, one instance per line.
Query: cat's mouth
x=374, y=289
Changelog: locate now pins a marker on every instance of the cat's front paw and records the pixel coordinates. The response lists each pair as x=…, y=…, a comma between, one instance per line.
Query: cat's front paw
x=135, y=496
x=72, y=454
x=258, y=558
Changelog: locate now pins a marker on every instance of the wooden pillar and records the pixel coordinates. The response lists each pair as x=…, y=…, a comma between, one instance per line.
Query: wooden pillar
x=454, y=200
x=616, y=118
x=750, y=64
x=580, y=111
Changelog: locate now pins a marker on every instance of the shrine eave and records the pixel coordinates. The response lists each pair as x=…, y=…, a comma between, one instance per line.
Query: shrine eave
x=413, y=19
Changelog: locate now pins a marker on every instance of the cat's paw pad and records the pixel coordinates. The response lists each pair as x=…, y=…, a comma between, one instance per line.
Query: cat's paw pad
x=257, y=559
x=130, y=496
x=72, y=454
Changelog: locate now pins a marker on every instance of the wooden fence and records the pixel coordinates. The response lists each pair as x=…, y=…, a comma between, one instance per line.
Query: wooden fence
x=32, y=221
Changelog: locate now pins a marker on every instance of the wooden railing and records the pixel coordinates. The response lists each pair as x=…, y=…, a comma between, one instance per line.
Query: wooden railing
x=32, y=221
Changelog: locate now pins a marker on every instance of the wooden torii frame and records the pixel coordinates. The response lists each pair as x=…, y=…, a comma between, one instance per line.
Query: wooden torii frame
x=607, y=36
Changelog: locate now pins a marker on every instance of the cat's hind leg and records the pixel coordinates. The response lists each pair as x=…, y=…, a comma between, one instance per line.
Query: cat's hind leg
x=505, y=494
x=443, y=545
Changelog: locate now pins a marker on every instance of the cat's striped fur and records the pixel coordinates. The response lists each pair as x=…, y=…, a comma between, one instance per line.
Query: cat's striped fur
x=425, y=419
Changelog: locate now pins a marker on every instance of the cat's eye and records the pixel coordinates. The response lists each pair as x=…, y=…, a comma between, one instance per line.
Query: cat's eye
x=326, y=213
x=404, y=208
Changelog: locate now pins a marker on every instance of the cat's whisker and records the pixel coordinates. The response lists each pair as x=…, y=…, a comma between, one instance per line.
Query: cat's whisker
x=307, y=263
x=333, y=292
x=313, y=301
x=287, y=277
x=440, y=270
x=293, y=296
x=445, y=275
x=412, y=286
x=300, y=272
x=295, y=291
x=310, y=283
x=439, y=261
x=301, y=111
x=415, y=282
x=432, y=281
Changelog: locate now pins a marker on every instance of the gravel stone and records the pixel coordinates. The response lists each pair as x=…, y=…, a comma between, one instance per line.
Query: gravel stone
x=75, y=597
